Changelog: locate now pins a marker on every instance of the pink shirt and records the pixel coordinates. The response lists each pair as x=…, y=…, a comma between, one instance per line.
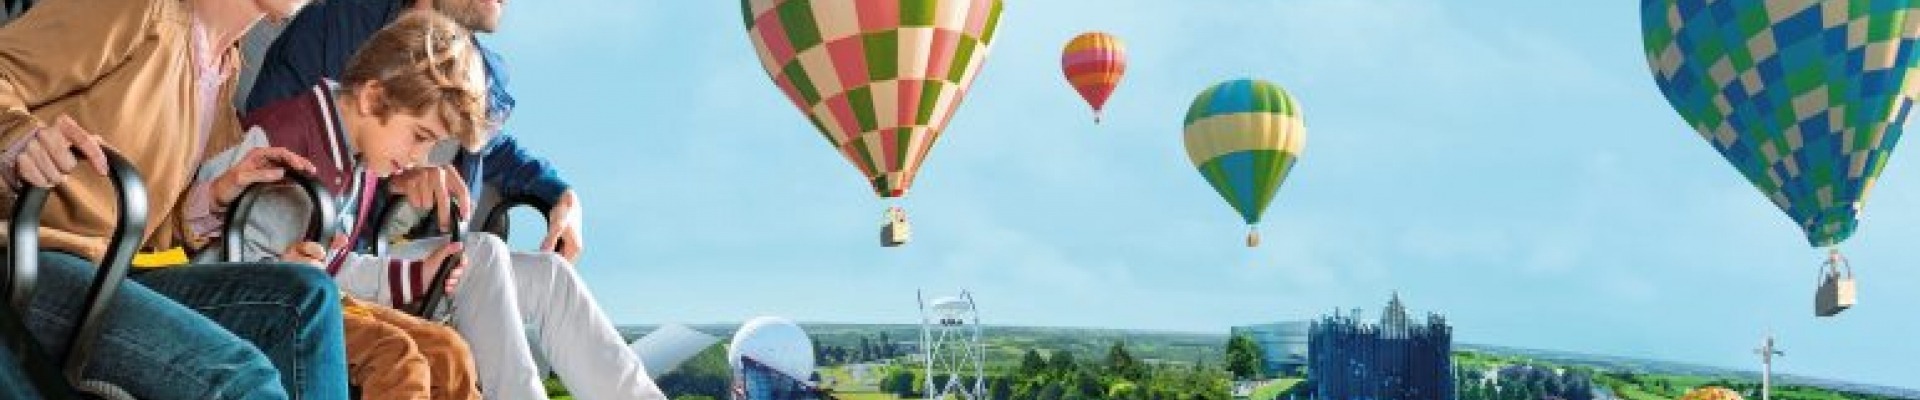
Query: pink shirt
x=209, y=74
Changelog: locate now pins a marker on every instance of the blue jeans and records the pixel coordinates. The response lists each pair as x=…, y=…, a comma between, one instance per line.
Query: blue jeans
x=13, y=381
x=212, y=331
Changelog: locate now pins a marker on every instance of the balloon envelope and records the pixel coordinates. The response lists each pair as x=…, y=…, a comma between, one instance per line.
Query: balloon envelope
x=1244, y=136
x=1094, y=62
x=1805, y=98
x=879, y=79
x=1711, y=393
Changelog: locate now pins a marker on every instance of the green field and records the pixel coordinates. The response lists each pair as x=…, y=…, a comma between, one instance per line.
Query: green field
x=1630, y=384
x=1273, y=390
x=865, y=396
x=556, y=391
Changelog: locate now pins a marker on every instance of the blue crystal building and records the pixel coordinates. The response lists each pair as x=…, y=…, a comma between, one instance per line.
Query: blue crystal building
x=1396, y=359
x=757, y=381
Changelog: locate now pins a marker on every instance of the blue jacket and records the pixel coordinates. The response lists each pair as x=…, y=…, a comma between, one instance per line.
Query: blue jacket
x=317, y=44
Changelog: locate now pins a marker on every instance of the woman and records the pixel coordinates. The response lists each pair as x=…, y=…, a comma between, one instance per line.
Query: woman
x=147, y=78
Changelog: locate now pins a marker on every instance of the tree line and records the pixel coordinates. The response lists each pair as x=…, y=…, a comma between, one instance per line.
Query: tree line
x=1058, y=375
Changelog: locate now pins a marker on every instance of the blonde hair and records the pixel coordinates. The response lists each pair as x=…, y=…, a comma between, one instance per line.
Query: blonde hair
x=425, y=62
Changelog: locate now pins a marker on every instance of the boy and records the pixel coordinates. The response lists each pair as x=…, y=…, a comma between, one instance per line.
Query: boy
x=413, y=84
x=504, y=292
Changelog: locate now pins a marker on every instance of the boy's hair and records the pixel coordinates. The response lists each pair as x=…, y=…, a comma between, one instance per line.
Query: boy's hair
x=425, y=63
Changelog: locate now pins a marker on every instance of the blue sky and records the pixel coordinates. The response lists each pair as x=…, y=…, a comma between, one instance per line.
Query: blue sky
x=1509, y=164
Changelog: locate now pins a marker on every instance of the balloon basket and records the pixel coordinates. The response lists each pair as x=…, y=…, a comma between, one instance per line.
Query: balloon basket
x=895, y=231
x=1253, y=239
x=1836, y=295
x=1838, y=291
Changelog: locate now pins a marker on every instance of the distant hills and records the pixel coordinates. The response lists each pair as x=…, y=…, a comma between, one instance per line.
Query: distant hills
x=1091, y=343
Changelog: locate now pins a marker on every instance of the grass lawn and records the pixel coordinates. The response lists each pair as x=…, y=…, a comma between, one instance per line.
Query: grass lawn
x=556, y=391
x=1630, y=392
x=838, y=375
x=865, y=396
x=1275, y=388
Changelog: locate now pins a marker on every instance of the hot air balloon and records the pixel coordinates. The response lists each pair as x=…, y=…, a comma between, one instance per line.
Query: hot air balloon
x=1244, y=135
x=879, y=79
x=1094, y=63
x=1711, y=393
x=1805, y=98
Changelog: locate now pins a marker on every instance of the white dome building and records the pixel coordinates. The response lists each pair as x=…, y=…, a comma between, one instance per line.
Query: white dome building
x=776, y=342
x=772, y=359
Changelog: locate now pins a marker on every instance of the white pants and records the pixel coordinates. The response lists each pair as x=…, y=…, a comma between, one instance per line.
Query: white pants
x=503, y=292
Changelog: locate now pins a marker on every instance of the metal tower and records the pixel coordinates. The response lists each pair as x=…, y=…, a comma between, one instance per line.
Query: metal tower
x=1767, y=352
x=950, y=345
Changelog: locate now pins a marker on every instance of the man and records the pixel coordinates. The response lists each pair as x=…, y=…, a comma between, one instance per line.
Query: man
x=150, y=79
x=501, y=290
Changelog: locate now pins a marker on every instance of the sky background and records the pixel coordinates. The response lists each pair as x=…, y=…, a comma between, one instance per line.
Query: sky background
x=1509, y=164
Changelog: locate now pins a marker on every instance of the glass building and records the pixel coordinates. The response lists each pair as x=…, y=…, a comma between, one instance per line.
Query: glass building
x=1395, y=359
x=1283, y=346
x=757, y=381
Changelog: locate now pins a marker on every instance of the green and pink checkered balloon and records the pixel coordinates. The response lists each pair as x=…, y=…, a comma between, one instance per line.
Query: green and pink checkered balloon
x=879, y=79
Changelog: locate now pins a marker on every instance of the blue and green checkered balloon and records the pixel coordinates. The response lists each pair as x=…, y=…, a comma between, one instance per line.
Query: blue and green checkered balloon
x=1805, y=98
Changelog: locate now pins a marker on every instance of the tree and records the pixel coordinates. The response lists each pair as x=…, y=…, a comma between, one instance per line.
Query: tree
x=1243, y=358
x=1000, y=388
x=707, y=374
x=1121, y=363
x=1062, y=362
x=1088, y=386
x=1028, y=388
x=1051, y=391
x=1032, y=364
x=1123, y=390
x=899, y=382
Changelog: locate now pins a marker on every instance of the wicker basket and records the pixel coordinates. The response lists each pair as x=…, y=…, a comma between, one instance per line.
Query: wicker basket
x=895, y=231
x=1837, y=292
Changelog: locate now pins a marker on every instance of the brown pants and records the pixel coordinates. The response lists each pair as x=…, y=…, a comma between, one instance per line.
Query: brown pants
x=393, y=355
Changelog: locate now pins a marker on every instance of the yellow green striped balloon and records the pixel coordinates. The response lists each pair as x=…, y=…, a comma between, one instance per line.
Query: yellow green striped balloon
x=1244, y=136
x=879, y=79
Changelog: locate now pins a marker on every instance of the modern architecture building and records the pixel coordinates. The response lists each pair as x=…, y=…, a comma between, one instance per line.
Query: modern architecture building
x=1396, y=359
x=1283, y=346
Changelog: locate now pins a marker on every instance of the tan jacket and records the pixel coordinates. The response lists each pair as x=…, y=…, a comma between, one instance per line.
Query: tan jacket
x=123, y=70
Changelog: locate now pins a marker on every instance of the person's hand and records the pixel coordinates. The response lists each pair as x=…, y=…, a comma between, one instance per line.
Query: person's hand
x=49, y=155
x=439, y=257
x=312, y=253
x=265, y=164
x=433, y=188
x=563, y=228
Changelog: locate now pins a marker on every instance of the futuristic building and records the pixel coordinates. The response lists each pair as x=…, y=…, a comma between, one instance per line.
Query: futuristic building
x=668, y=346
x=1283, y=346
x=1396, y=359
x=772, y=359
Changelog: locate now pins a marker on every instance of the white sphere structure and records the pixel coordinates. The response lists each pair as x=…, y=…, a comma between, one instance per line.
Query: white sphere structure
x=776, y=342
